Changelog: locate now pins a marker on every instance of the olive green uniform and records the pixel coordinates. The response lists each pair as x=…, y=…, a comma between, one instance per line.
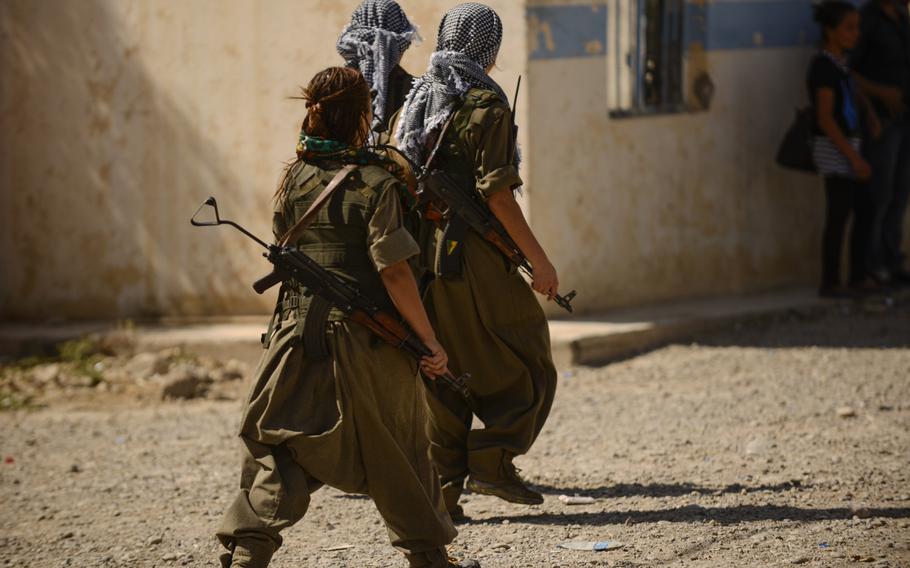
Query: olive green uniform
x=486, y=318
x=356, y=420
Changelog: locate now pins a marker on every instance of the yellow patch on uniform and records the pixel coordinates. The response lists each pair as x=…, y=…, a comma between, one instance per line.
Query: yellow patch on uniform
x=452, y=245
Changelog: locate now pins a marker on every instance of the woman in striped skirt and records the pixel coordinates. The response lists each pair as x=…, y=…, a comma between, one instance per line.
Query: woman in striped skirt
x=837, y=148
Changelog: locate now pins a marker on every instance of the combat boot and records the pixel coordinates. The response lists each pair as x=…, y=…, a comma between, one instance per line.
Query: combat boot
x=438, y=559
x=451, y=492
x=509, y=486
x=247, y=554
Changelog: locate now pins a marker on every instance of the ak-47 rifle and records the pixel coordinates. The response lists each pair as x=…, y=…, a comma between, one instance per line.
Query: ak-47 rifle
x=290, y=263
x=441, y=198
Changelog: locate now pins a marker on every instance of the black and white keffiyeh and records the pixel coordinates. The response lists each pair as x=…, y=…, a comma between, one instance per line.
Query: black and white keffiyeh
x=468, y=42
x=374, y=41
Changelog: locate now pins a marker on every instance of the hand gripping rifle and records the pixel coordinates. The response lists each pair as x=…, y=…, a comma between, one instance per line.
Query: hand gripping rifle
x=440, y=197
x=291, y=263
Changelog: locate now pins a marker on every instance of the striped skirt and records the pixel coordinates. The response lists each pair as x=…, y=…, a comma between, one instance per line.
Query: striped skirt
x=829, y=160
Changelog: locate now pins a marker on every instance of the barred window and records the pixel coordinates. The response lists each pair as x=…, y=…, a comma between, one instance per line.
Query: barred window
x=646, y=57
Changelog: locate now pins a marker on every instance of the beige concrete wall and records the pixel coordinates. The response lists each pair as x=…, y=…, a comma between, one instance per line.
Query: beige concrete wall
x=119, y=116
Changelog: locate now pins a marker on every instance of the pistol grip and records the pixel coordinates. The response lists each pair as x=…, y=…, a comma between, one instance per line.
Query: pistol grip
x=267, y=281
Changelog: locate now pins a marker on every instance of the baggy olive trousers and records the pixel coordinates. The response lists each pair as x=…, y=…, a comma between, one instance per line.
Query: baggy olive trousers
x=492, y=326
x=356, y=421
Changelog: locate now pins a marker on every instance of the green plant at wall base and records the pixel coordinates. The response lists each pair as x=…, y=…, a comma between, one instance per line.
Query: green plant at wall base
x=83, y=354
x=184, y=356
x=83, y=357
x=30, y=361
x=78, y=350
x=14, y=401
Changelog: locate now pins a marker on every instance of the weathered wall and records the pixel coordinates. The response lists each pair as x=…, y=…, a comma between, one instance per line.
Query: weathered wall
x=649, y=208
x=641, y=209
x=120, y=116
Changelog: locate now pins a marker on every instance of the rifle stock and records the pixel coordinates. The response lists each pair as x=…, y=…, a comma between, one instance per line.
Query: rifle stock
x=375, y=326
x=514, y=257
x=407, y=341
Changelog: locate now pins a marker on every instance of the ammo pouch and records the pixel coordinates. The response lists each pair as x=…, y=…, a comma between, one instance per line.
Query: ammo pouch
x=311, y=328
x=448, y=260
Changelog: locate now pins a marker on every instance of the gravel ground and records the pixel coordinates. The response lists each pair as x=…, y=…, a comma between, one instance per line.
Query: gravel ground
x=768, y=445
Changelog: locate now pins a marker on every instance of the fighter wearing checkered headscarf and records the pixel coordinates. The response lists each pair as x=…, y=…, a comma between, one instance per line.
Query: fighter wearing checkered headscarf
x=468, y=42
x=374, y=41
x=485, y=315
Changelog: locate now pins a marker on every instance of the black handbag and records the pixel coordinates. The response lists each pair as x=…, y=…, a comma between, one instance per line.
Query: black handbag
x=795, y=151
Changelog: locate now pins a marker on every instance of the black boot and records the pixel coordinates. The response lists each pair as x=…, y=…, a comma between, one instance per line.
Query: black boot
x=247, y=553
x=509, y=486
x=451, y=492
x=438, y=559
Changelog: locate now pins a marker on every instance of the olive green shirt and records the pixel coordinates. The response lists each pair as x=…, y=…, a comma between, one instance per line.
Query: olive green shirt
x=389, y=241
x=487, y=138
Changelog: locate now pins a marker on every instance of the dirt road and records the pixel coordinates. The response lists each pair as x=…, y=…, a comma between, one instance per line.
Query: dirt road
x=774, y=445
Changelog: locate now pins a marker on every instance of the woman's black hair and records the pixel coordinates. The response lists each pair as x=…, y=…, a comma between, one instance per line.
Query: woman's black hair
x=830, y=13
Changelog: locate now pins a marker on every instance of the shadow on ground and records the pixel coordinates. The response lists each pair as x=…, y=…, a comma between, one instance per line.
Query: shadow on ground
x=697, y=514
x=664, y=489
x=874, y=323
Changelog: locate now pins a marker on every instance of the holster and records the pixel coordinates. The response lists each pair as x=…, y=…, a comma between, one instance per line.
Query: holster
x=450, y=248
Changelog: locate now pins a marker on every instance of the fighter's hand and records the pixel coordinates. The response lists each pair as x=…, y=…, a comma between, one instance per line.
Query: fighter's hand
x=544, y=279
x=435, y=364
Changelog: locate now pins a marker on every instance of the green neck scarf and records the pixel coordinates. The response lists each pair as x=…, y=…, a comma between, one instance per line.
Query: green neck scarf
x=313, y=150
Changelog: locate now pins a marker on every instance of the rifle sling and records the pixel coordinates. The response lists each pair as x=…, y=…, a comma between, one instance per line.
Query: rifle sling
x=442, y=135
x=291, y=236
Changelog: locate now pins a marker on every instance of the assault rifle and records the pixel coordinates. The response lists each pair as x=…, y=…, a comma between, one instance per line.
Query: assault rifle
x=291, y=263
x=440, y=196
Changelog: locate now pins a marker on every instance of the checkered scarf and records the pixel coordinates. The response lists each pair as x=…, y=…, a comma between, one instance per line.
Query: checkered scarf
x=374, y=41
x=469, y=39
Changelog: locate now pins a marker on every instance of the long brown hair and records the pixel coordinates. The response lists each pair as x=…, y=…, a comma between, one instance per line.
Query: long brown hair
x=338, y=108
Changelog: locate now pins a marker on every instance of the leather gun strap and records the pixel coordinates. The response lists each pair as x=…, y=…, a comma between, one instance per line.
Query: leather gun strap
x=301, y=225
x=442, y=135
